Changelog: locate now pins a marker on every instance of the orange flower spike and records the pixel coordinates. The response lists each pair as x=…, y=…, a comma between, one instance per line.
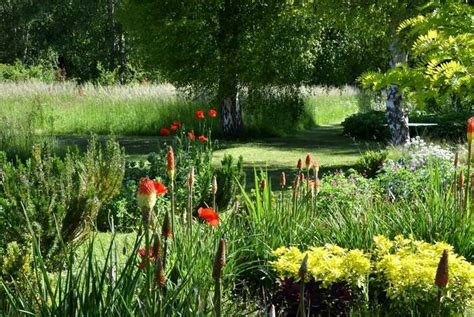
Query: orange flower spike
x=299, y=165
x=170, y=163
x=209, y=215
x=308, y=161
x=470, y=129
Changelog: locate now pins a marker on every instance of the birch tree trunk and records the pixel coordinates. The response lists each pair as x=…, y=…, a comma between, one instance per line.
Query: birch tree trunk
x=229, y=46
x=397, y=118
x=231, y=115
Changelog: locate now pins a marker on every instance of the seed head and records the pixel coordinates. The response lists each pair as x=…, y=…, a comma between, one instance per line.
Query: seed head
x=219, y=260
x=442, y=273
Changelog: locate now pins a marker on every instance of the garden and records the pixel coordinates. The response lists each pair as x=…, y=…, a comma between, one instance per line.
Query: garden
x=236, y=158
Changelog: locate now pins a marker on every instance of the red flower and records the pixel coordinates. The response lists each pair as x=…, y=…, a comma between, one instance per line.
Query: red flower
x=209, y=215
x=142, y=254
x=191, y=135
x=200, y=114
x=212, y=113
x=165, y=131
x=147, y=192
x=202, y=138
x=175, y=125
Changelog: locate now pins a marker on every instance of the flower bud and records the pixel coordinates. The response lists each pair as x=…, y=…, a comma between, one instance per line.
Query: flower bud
x=156, y=245
x=308, y=161
x=461, y=179
x=170, y=166
x=263, y=184
x=191, y=178
x=166, y=230
x=299, y=165
x=219, y=260
x=282, y=179
x=214, y=185
x=303, y=271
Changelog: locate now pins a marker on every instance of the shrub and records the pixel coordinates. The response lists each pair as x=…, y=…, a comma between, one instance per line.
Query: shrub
x=406, y=269
x=450, y=126
x=60, y=198
x=367, y=126
x=22, y=72
x=371, y=162
x=336, y=279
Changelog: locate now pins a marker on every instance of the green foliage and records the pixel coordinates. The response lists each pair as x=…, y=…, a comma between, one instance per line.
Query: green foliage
x=229, y=175
x=440, y=67
x=21, y=72
x=271, y=111
x=371, y=162
x=59, y=197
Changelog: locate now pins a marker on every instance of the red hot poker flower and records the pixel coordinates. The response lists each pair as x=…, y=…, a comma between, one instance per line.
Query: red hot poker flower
x=200, y=114
x=212, y=113
x=165, y=131
x=191, y=135
x=202, y=138
x=470, y=129
x=147, y=192
x=209, y=215
x=299, y=165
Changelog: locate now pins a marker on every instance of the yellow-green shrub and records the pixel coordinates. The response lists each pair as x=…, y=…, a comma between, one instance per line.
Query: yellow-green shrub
x=329, y=264
x=407, y=269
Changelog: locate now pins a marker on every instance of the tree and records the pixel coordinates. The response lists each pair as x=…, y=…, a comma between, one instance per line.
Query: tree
x=374, y=23
x=223, y=45
x=439, y=72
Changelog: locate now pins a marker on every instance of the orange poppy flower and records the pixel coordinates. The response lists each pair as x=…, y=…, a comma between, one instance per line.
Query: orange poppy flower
x=209, y=215
x=200, y=114
x=165, y=131
x=191, y=135
x=212, y=113
x=202, y=138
